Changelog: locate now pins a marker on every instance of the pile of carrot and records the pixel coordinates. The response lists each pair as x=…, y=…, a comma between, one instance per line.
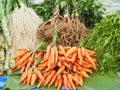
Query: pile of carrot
x=58, y=66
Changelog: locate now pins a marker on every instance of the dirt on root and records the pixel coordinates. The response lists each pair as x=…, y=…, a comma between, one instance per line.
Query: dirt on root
x=69, y=30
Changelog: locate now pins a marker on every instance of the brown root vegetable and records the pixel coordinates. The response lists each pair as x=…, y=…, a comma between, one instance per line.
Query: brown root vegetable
x=69, y=30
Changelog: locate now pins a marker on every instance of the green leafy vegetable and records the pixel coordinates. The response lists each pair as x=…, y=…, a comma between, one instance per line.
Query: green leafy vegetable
x=105, y=40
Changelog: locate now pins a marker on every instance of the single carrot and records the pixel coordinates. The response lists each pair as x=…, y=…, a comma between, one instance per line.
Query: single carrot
x=52, y=80
x=60, y=81
x=56, y=82
x=30, y=61
x=60, y=70
x=17, y=59
x=49, y=59
x=22, y=69
x=59, y=63
x=76, y=76
x=80, y=56
x=43, y=66
x=29, y=76
x=61, y=49
x=23, y=77
x=60, y=53
x=56, y=54
x=39, y=74
x=39, y=84
x=33, y=79
x=39, y=54
x=22, y=53
x=52, y=55
x=84, y=74
x=80, y=80
x=25, y=81
x=65, y=81
x=64, y=72
x=43, y=61
x=66, y=64
x=47, y=73
x=26, y=56
x=88, y=70
x=75, y=80
x=23, y=64
x=51, y=67
x=59, y=76
x=74, y=57
x=89, y=58
x=83, y=51
x=68, y=82
x=71, y=82
x=50, y=77
x=48, y=51
x=71, y=51
x=74, y=68
x=67, y=48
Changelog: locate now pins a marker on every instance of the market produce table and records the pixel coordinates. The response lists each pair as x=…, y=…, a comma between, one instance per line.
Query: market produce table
x=108, y=81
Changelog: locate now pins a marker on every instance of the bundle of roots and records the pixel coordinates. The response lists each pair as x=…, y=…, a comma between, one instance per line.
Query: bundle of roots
x=69, y=30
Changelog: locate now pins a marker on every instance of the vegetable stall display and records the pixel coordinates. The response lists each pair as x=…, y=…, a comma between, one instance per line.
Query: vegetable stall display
x=57, y=65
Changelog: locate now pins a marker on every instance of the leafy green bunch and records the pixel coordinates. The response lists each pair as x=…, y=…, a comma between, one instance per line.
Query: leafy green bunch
x=89, y=11
x=105, y=40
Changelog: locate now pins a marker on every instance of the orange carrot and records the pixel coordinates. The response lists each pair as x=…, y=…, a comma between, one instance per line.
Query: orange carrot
x=23, y=64
x=60, y=53
x=74, y=68
x=50, y=77
x=39, y=84
x=56, y=83
x=29, y=76
x=84, y=74
x=59, y=84
x=49, y=59
x=33, y=79
x=48, y=51
x=43, y=66
x=25, y=81
x=59, y=63
x=52, y=55
x=22, y=53
x=89, y=58
x=68, y=82
x=60, y=70
x=52, y=80
x=39, y=74
x=30, y=61
x=66, y=64
x=74, y=57
x=65, y=81
x=64, y=72
x=61, y=49
x=80, y=80
x=51, y=67
x=71, y=82
x=71, y=51
x=56, y=54
x=39, y=54
x=88, y=70
x=83, y=51
x=76, y=76
x=80, y=56
x=23, y=77
x=26, y=56
x=75, y=79
x=59, y=76
x=22, y=69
